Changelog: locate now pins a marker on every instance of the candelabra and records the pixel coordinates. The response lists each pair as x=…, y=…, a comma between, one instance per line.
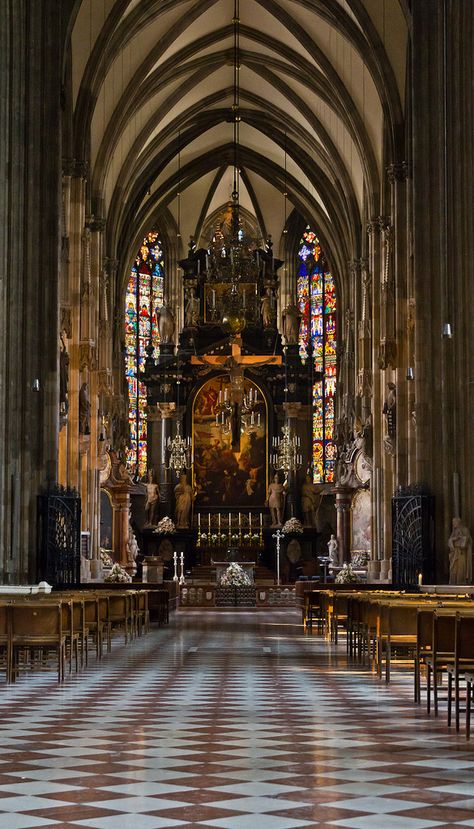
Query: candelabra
x=179, y=452
x=224, y=412
x=249, y=417
x=286, y=458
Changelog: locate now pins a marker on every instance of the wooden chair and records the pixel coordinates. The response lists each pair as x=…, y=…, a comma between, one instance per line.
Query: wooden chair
x=396, y=630
x=424, y=646
x=442, y=655
x=338, y=615
x=36, y=631
x=469, y=675
x=5, y=638
x=93, y=621
x=120, y=612
x=312, y=610
x=142, y=613
x=463, y=661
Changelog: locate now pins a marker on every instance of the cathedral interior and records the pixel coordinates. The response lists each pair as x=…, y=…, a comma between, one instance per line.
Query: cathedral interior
x=236, y=397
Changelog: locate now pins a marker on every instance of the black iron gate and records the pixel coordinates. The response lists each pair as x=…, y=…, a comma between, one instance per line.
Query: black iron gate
x=59, y=528
x=412, y=538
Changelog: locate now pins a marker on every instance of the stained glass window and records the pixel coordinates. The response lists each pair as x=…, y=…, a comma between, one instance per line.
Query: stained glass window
x=317, y=303
x=144, y=297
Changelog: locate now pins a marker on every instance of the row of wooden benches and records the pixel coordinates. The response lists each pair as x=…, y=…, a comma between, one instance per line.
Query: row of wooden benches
x=435, y=633
x=59, y=625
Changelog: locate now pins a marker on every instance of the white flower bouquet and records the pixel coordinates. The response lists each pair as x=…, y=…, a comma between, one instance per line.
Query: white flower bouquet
x=346, y=575
x=165, y=526
x=118, y=574
x=105, y=558
x=234, y=576
x=292, y=526
x=360, y=559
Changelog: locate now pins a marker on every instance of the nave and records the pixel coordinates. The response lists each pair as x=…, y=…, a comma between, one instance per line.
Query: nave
x=234, y=720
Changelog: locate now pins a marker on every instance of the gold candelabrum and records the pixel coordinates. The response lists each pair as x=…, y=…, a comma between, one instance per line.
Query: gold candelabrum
x=230, y=529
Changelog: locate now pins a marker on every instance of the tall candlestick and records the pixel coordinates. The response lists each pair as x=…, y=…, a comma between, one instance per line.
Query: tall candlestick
x=175, y=562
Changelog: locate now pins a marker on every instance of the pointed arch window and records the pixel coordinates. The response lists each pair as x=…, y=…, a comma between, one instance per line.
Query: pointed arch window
x=317, y=304
x=143, y=296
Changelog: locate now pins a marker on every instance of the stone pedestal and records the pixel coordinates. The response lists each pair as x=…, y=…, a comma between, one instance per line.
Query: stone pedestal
x=385, y=569
x=95, y=569
x=373, y=571
x=153, y=569
x=343, y=514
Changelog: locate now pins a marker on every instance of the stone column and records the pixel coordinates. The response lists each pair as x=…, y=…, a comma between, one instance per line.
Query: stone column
x=167, y=412
x=30, y=152
x=292, y=416
x=343, y=523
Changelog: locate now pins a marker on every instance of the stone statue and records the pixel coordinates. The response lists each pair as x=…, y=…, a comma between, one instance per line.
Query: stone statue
x=84, y=411
x=390, y=412
x=333, y=549
x=152, y=503
x=291, y=324
x=267, y=308
x=166, y=324
x=460, y=554
x=63, y=374
x=276, y=500
x=191, y=311
x=310, y=501
x=183, y=493
x=132, y=550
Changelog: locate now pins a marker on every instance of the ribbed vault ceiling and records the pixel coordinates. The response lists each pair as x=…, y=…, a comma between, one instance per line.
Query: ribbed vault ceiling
x=321, y=86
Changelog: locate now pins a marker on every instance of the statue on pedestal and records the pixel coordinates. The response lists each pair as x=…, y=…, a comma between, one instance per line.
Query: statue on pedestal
x=291, y=318
x=84, y=411
x=390, y=412
x=310, y=501
x=460, y=554
x=183, y=493
x=152, y=503
x=166, y=324
x=276, y=500
x=333, y=549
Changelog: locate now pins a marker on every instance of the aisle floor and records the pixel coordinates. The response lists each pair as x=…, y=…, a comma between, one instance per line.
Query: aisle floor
x=228, y=720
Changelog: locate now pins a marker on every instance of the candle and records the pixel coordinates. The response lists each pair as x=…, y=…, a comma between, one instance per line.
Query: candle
x=219, y=520
x=243, y=300
x=240, y=520
x=213, y=298
x=199, y=267
x=261, y=521
x=250, y=520
x=199, y=520
x=230, y=522
x=420, y=579
x=209, y=522
x=175, y=557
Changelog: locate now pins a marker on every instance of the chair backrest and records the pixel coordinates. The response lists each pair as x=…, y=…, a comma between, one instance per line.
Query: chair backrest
x=464, y=637
x=36, y=619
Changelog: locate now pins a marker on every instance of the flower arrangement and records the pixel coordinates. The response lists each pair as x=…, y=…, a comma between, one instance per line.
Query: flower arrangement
x=360, y=559
x=105, y=558
x=292, y=526
x=234, y=576
x=117, y=573
x=165, y=526
x=346, y=575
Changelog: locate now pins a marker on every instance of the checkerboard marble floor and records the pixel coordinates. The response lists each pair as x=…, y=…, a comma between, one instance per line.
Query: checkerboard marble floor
x=228, y=720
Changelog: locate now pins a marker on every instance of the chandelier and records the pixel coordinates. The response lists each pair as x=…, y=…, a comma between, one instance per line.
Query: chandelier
x=287, y=457
x=180, y=456
x=224, y=410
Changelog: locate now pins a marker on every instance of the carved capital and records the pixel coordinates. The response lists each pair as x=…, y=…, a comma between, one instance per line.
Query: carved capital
x=110, y=266
x=166, y=409
x=75, y=168
x=292, y=410
x=95, y=224
x=387, y=354
x=87, y=355
x=397, y=171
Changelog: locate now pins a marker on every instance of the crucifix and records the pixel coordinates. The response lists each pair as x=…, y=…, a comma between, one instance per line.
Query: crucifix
x=236, y=363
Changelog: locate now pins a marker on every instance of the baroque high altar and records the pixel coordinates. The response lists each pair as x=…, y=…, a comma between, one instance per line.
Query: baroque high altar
x=229, y=442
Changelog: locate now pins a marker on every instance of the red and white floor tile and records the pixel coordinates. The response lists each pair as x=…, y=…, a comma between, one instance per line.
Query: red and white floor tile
x=228, y=721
